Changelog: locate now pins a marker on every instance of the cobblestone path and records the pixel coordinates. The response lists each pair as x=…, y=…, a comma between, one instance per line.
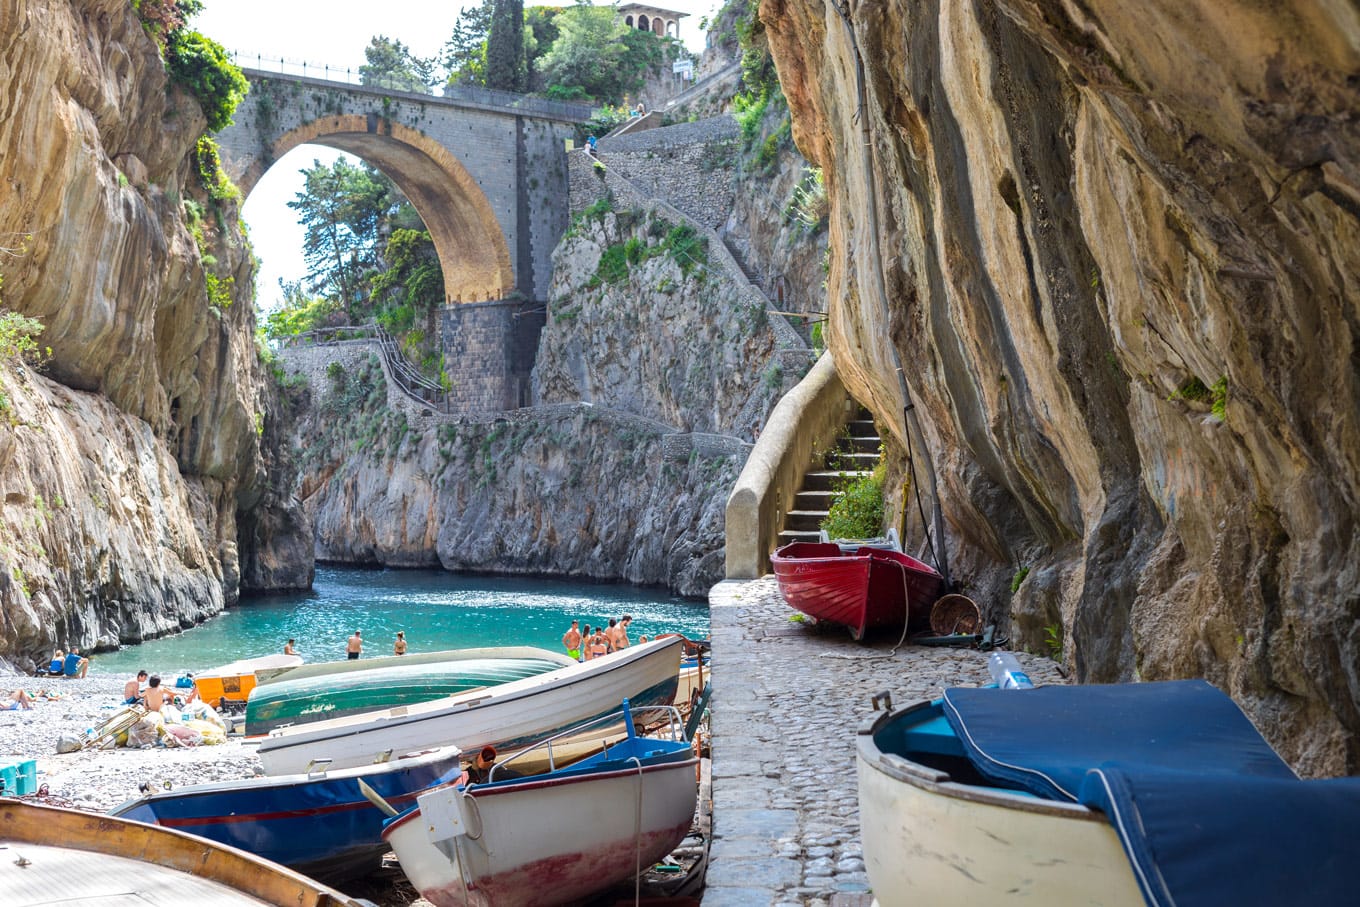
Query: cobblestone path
x=787, y=700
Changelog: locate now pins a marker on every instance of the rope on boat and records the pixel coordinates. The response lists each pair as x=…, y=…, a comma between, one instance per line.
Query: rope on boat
x=906, y=620
x=637, y=836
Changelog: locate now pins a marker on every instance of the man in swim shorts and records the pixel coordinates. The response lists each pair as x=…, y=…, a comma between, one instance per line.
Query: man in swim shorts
x=572, y=641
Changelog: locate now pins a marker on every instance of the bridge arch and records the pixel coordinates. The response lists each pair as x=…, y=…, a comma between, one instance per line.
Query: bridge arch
x=468, y=238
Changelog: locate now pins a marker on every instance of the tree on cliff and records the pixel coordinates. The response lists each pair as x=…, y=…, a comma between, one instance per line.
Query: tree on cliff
x=340, y=209
x=585, y=60
x=505, y=59
x=465, y=52
x=392, y=65
x=201, y=66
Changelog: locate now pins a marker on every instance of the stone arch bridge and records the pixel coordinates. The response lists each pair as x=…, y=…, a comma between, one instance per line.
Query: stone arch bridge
x=485, y=170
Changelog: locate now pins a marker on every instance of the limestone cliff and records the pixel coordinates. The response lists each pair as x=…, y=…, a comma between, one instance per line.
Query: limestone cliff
x=569, y=490
x=1115, y=246
x=126, y=459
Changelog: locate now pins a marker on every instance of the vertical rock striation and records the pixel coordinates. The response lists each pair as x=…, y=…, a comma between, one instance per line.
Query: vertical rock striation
x=1115, y=246
x=126, y=459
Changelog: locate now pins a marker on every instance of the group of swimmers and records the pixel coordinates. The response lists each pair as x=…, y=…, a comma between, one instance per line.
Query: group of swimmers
x=601, y=640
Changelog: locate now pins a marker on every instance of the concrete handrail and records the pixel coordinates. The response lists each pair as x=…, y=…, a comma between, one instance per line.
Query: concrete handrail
x=805, y=420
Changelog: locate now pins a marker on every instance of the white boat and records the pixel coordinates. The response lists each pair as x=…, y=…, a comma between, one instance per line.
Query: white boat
x=505, y=716
x=553, y=838
x=1158, y=793
x=936, y=834
x=54, y=856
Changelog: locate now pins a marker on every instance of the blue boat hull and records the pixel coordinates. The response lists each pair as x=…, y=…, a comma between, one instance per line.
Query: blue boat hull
x=321, y=826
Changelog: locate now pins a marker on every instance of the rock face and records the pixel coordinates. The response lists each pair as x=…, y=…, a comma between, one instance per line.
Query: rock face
x=571, y=490
x=126, y=462
x=1116, y=247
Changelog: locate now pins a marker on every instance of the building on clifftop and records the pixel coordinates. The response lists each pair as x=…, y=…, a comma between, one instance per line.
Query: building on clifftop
x=655, y=19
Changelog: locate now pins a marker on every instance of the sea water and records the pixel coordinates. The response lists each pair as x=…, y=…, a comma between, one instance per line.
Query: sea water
x=436, y=610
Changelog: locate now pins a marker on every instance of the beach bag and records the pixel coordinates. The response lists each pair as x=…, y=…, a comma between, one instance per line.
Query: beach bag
x=198, y=710
x=143, y=733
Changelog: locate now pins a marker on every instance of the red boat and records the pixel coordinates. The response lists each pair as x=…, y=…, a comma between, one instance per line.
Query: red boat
x=864, y=589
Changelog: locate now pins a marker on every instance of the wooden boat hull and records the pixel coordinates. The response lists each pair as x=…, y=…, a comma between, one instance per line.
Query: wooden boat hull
x=506, y=716
x=319, y=824
x=315, y=693
x=929, y=839
x=872, y=588
x=62, y=856
x=548, y=840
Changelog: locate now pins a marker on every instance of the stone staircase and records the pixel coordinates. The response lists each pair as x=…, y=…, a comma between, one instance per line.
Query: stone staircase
x=855, y=456
x=750, y=273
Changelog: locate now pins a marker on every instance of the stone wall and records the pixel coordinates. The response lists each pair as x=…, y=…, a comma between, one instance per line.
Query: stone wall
x=489, y=352
x=689, y=165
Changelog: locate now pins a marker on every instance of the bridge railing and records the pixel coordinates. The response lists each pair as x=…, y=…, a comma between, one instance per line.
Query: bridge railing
x=452, y=94
x=405, y=375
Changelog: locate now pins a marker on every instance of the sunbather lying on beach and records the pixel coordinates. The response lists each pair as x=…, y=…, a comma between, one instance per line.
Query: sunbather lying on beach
x=18, y=699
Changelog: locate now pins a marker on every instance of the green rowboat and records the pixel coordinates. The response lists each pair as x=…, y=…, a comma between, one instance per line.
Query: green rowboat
x=316, y=692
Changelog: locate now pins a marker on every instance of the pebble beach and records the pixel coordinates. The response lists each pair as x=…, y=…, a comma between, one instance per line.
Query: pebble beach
x=100, y=779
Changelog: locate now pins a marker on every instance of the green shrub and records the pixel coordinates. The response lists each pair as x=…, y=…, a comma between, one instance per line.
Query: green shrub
x=687, y=247
x=1220, y=392
x=200, y=65
x=1192, y=389
x=19, y=338
x=613, y=266
x=211, y=174
x=749, y=110
x=1018, y=579
x=858, y=508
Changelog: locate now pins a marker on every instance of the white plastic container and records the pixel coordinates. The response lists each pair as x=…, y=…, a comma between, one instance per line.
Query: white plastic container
x=1006, y=671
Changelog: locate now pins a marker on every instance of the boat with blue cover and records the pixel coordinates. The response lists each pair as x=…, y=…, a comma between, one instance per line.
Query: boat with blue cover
x=1151, y=793
x=319, y=823
x=554, y=837
x=317, y=692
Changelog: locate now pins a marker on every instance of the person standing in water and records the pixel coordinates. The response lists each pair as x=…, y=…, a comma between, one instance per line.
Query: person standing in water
x=571, y=640
x=288, y=648
x=399, y=647
x=354, y=646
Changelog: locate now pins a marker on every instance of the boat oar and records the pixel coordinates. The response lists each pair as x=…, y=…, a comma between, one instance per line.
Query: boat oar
x=376, y=798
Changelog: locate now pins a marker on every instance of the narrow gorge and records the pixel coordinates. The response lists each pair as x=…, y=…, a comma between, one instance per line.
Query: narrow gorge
x=1113, y=249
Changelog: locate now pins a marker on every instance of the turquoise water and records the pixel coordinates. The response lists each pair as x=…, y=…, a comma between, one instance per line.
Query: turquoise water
x=438, y=610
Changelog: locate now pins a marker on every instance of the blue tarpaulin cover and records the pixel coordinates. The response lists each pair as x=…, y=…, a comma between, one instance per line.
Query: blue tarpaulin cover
x=1206, y=810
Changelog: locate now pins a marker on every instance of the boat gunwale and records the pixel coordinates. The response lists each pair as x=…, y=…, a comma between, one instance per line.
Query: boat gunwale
x=285, y=738
x=935, y=781
x=217, y=788
x=102, y=834
x=516, y=786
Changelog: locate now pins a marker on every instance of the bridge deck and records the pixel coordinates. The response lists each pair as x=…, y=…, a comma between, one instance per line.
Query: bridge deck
x=454, y=96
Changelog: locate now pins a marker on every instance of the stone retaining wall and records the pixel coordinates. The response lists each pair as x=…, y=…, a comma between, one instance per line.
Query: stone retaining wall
x=688, y=165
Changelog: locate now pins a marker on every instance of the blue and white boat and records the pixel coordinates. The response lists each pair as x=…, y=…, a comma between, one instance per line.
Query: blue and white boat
x=555, y=837
x=319, y=824
x=1152, y=793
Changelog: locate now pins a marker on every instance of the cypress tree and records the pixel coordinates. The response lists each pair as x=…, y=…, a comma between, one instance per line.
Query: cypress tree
x=505, y=64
